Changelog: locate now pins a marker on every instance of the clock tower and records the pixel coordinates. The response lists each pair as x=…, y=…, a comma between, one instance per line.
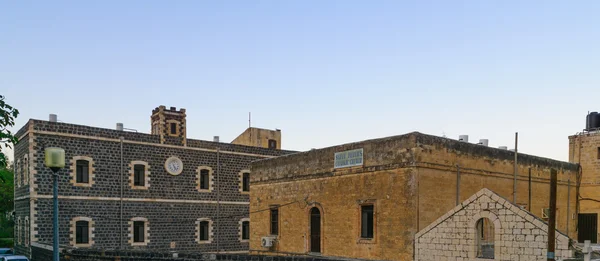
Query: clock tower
x=169, y=124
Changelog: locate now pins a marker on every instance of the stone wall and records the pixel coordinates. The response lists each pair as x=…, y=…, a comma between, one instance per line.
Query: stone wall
x=258, y=137
x=171, y=203
x=413, y=180
x=585, y=150
x=518, y=234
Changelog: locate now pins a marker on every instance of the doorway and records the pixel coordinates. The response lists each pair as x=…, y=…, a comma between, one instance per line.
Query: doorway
x=315, y=230
x=587, y=228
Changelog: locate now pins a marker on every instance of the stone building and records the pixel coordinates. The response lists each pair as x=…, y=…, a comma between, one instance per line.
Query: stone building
x=487, y=226
x=584, y=149
x=259, y=138
x=129, y=190
x=369, y=199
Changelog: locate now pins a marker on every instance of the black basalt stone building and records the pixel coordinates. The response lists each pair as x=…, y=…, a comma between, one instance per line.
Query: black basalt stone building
x=127, y=190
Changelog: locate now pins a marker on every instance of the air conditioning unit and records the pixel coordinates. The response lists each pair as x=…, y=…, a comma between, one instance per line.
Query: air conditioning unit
x=268, y=241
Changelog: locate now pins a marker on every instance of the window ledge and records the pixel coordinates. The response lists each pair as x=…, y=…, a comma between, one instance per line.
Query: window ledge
x=139, y=244
x=139, y=187
x=83, y=245
x=366, y=241
x=244, y=240
x=87, y=185
x=205, y=190
x=204, y=241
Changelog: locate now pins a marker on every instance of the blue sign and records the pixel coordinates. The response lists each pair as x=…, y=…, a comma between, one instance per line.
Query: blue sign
x=349, y=158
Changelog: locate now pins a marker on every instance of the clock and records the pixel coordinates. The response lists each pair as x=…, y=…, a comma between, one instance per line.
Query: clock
x=173, y=165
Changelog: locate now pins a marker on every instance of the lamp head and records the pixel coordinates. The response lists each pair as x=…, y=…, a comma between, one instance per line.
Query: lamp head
x=54, y=158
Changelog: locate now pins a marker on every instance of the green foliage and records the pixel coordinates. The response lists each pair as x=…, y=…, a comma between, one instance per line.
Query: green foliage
x=7, y=120
x=6, y=207
x=6, y=242
x=6, y=190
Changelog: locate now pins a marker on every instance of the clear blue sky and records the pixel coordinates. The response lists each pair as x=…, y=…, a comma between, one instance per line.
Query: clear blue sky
x=325, y=72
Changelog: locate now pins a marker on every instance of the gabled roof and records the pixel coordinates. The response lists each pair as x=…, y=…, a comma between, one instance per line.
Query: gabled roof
x=475, y=198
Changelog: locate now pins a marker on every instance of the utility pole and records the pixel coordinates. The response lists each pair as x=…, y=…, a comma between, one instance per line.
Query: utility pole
x=552, y=218
x=515, y=170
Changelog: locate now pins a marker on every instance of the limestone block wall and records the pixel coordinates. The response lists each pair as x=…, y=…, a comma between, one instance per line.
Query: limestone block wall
x=518, y=235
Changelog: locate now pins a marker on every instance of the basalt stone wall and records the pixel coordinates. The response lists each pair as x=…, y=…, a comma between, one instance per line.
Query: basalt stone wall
x=171, y=203
x=22, y=183
x=168, y=223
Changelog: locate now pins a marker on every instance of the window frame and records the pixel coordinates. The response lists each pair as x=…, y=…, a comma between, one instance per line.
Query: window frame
x=147, y=173
x=139, y=231
x=199, y=222
x=479, y=241
x=241, y=229
x=17, y=171
x=18, y=232
x=598, y=153
x=82, y=176
x=90, y=232
x=27, y=231
x=367, y=227
x=132, y=231
x=25, y=170
x=241, y=181
x=82, y=232
x=168, y=128
x=90, y=171
x=359, y=211
x=139, y=175
x=272, y=141
x=274, y=224
x=199, y=179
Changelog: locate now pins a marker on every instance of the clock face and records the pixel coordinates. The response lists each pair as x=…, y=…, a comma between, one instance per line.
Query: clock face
x=174, y=166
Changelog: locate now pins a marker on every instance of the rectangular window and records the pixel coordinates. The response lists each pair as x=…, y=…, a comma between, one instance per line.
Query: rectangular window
x=598, y=152
x=204, y=231
x=246, y=182
x=246, y=230
x=82, y=169
x=204, y=179
x=173, y=128
x=366, y=221
x=274, y=221
x=272, y=144
x=139, y=175
x=82, y=232
x=138, y=231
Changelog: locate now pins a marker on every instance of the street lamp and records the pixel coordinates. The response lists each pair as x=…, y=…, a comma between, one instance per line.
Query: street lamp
x=54, y=158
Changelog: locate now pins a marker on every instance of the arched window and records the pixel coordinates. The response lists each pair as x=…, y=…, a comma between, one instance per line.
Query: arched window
x=485, y=238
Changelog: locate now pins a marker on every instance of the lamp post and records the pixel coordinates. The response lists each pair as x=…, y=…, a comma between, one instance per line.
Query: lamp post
x=54, y=158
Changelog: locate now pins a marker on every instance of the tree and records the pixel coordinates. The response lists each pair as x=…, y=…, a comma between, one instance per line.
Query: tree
x=6, y=191
x=7, y=120
x=6, y=207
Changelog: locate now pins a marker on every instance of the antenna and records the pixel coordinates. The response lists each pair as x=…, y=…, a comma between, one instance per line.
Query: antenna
x=249, y=119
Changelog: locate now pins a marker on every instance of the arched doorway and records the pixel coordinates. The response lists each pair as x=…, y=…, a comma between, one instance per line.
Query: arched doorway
x=315, y=230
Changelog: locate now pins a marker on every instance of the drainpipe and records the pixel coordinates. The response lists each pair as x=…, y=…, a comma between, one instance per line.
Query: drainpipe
x=515, y=178
x=529, y=200
x=121, y=200
x=217, y=237
x=568, y=202
x=457, y=184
